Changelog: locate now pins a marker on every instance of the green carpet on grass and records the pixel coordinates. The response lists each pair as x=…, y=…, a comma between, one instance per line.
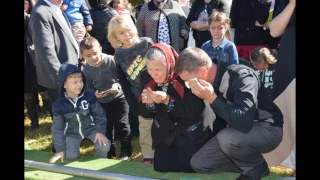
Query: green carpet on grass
x=116, y=166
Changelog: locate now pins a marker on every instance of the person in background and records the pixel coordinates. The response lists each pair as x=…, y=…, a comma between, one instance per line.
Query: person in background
x=101, y=14
x=31, y=86
x=198, y=18
x=138, y=7
x=220, y=48
x=78, y=15
x=263, y=62
x=163, y=21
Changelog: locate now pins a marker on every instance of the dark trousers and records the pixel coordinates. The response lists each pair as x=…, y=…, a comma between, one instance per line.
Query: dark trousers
x=234, y=151
x=172, y=158
x=117, y=113
x=53, y=95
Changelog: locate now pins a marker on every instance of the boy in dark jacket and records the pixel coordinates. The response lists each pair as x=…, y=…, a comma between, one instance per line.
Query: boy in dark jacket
x=77, y=115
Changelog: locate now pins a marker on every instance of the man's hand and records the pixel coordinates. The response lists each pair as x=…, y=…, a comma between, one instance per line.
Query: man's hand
x=202, y=89
x=101, y=138
x=57, y=156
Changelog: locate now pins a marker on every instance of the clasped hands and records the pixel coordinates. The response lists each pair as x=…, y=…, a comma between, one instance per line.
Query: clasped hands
x=150, y=97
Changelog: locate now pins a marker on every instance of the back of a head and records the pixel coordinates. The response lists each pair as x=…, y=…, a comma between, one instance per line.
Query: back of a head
x=98, y=4
x=191, y=59
x=261, y=55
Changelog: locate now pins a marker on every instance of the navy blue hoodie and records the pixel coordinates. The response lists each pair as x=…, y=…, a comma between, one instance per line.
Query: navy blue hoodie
x=77, y=118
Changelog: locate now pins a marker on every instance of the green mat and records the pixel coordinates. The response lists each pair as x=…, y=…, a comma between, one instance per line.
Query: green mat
x=116, y=166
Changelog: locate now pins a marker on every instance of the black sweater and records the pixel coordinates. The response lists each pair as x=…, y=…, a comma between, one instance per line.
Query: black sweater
x=242, y=100
x=243, y=15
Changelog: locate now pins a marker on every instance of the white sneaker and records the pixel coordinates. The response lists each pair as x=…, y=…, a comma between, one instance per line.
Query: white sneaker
x=125, y=158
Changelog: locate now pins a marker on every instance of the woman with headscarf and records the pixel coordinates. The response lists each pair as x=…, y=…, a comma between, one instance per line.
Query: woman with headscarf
x=182, y=121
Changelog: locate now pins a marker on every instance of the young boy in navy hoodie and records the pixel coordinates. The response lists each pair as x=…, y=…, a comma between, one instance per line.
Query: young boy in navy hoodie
x=77, y=115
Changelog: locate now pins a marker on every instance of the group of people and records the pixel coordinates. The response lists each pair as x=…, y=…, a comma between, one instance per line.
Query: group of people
x=199, y=110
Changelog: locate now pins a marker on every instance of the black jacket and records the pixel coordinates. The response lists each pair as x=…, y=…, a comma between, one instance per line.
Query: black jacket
x=242, y=100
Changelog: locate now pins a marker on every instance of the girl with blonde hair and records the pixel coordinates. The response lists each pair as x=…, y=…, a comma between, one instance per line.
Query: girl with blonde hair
x=129, y=56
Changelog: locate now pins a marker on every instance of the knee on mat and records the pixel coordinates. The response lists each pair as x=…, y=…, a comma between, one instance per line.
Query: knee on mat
x=72, y=157
x=102, y=151
x=195, y=164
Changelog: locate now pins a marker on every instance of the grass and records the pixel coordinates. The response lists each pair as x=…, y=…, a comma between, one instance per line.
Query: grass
x=43, y=142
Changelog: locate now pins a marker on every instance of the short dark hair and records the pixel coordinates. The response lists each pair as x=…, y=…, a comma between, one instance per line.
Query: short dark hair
x=88, y=43
x=191, y=59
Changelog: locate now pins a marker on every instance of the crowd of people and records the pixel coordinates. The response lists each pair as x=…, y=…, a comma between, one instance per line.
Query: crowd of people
x=212, y=85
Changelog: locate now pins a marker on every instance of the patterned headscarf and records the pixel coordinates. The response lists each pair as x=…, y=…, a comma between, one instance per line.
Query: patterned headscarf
x=168, y=51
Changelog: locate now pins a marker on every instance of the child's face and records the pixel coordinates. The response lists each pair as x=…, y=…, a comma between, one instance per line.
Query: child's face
x=74, y=85
x=217, y=30
x=125, y=36
x=93, y=55
x=119, y=4
x=26, y=5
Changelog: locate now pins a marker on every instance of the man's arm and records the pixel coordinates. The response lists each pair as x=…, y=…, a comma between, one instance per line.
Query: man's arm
x=278, y=25
x=44, y=44
x=240, y=113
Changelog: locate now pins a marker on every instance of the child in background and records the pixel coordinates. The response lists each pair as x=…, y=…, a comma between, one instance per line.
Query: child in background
x=77, y=115
x=220, y=48
x=123, y=36
x=123, y=7
x=263, y=62
x=103, y=79
x=78, y=15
